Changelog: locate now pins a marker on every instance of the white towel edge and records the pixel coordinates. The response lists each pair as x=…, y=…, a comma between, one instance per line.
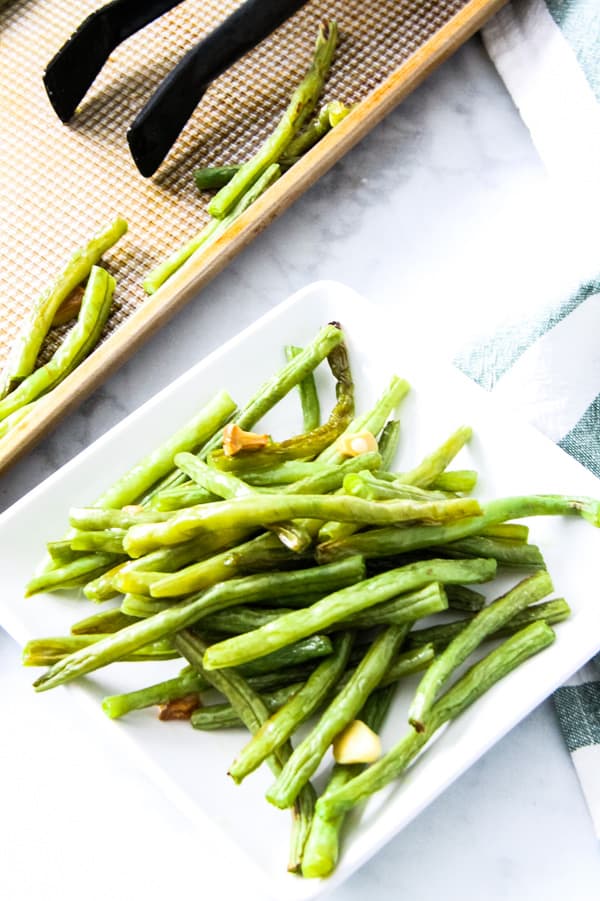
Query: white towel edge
x=587, y=761
x=557, y=104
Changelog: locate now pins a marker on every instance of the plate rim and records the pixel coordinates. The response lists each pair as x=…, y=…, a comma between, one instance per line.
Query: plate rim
x=299, y=889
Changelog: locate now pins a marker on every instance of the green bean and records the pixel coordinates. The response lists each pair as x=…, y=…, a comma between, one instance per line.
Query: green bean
x=462, y=598
x=341, y=711
x=307, y=444
x=281, y=725
x=99, y=623
x=407, y=663
x=181, y=615
x=253, y=712
x=386, y=542
x=272, y=391
x=297, y=602
x=240, y=619
x=11, y=421
x=332, y=477
x=301, y=105
x=510, y=531
x=404, y=609
x=109, y=541
x=309, y=399
x=186, y=495
x=128, y=489
x=484, y=623
x=210, y=233
x=368, y=486
x=187, y=682
x=508, y=553
x=189, y=494
x=463, y=480
x=432, y=466
x=287, y=473
x=342, y=604
x=408, y=607
x=101, y=588
x=22, y=359
x=141, y=606
x=189, y=579
x=551, y=612
x=137, y=583
x=223, y=716
x=78, y=572
x=190, y=682
x=322, y=847
x=330, y=115
x=303, y=651
x=222, y=484
x=373, y=420
x=136, y=576
x=388, y=442
x=298, y=476
x=50, y=651
x=258, y=553
x=211, y=177
x=61, y=552
x=79, y=342
x=158, y=463
x=90, y=519
x=327, y=478
x=479, y=679
x=292, y=535
x=248, y=512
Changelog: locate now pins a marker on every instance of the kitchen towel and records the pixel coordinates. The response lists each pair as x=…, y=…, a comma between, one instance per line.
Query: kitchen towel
x=546, y=363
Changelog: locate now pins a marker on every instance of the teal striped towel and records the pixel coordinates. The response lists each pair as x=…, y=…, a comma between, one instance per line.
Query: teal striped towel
x=546, y=363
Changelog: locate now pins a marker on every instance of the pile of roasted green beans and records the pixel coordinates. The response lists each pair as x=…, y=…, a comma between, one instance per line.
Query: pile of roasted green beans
x=290, y=579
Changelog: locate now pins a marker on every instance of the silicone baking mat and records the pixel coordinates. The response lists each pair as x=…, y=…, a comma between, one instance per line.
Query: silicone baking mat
x=60, y=183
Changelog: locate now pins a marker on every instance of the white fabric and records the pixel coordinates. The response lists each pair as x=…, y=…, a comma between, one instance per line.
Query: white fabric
x=553, y=383
x=551, y=92
x=586, y=762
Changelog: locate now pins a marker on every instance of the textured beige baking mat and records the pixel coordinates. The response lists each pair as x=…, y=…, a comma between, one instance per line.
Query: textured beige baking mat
x=59, y=183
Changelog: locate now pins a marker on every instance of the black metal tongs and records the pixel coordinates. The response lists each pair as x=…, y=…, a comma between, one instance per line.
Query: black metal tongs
x=157, y=126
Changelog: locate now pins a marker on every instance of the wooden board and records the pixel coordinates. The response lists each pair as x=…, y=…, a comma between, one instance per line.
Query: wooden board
x=60, y=183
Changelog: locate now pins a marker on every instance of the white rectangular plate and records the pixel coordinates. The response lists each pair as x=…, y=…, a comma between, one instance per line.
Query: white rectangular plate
x=511, y=458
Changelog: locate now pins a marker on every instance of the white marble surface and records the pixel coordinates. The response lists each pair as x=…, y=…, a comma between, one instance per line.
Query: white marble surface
x=444, y=200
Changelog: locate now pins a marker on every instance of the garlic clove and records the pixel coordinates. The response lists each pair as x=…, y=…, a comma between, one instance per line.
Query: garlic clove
x=356, y=444
x=357, y=743
x=236, y=439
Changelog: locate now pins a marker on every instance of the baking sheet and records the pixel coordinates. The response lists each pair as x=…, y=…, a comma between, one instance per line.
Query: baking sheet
x=59, y=183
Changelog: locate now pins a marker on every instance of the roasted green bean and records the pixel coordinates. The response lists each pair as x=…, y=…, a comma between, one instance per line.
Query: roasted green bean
x=389, y=541
x=209, y=234
x=341, y=711
x=342, y=604
x=309, y=399
x=482, y=675
x=79, y=342
x=23, y=356
x=484, y=623
x=181, y=615
x=282, y=724
x=301, y=105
